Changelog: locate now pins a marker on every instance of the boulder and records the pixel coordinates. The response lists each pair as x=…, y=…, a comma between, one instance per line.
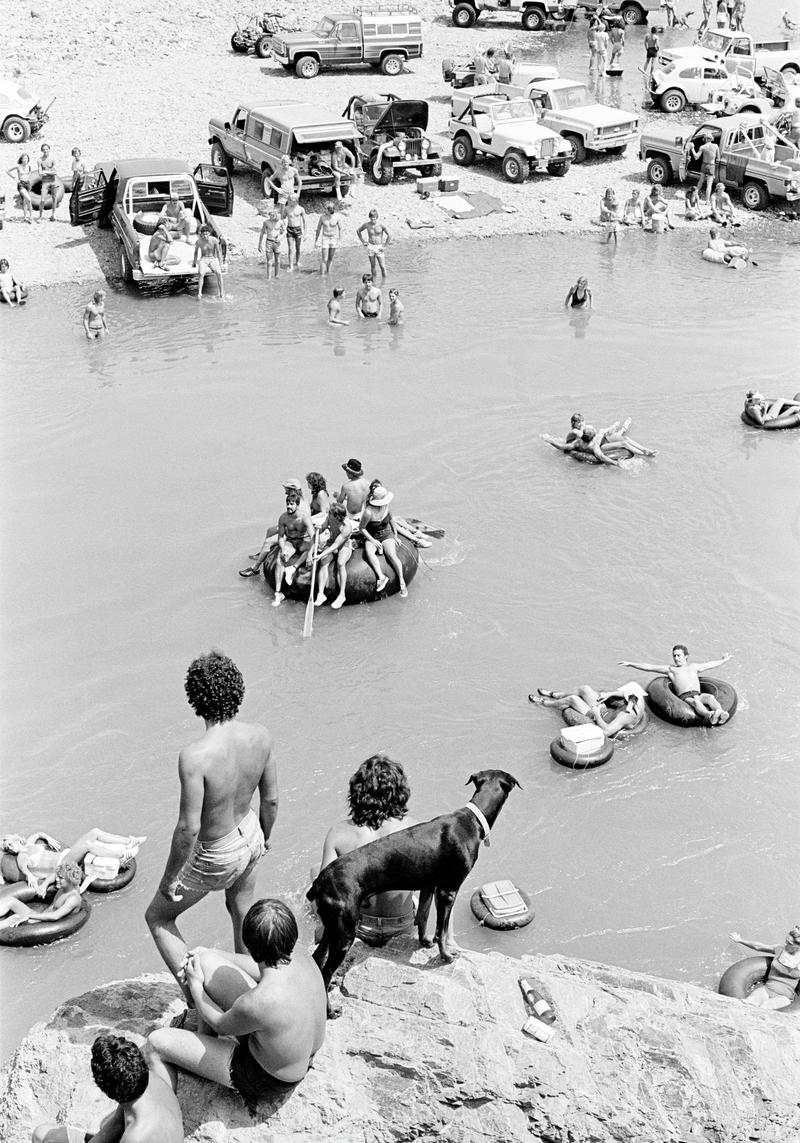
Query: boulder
x=424, y=1051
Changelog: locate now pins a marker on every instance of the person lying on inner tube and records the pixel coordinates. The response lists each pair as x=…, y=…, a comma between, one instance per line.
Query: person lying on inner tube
x=36, y=858
x=684, y=677
x=759, y=410
x=593, y=442
x=614, y=434
x=779, y=990
x=592, y=704
x=67, y=900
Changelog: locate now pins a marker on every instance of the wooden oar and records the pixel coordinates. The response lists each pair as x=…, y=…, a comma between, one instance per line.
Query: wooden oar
x=309, y=619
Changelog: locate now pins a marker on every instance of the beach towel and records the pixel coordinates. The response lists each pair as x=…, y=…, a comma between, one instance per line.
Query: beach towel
x=472, y=204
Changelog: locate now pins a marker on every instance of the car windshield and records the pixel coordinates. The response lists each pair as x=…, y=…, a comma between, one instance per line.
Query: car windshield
x=565, y=98
x=324, y=27
x=714, y=41
x=372, y=112
x=517, y=109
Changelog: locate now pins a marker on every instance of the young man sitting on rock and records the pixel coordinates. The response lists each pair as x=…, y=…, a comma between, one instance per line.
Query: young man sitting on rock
x=147, y=1110
x=261, y=1017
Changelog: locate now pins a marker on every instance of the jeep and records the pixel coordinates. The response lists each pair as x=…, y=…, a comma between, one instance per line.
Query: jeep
x=392, y=136
x=507, y=129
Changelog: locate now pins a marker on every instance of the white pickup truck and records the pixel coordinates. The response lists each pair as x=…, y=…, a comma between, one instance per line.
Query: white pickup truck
x=738, y=52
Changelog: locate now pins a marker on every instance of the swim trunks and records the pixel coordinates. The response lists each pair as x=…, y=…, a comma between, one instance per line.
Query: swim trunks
x=689, y=695
x=274, y=244
x=329, y=243
x=376, y=931
x=374, y=248
x=216, y=865
x=294, y=231
x=708, y=168
x=248, y=1077
x=368, y=315
x=208, y=266
x=651, y=53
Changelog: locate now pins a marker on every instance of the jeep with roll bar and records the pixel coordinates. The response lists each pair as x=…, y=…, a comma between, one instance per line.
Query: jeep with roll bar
x=384, y=36
x=393, y=136
x=259, y=136
x=508, y=130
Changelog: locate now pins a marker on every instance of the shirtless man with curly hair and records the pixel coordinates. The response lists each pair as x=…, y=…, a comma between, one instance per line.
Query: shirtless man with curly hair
x=218, y=840
x=377, y=798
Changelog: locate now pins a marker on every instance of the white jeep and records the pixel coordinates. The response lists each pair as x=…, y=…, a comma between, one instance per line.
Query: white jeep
x=509, y=130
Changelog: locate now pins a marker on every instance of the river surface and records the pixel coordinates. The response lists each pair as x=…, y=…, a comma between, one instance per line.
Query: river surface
x=138, y=473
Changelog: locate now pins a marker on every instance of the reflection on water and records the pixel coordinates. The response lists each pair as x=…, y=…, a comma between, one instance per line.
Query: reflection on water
x=138, y=473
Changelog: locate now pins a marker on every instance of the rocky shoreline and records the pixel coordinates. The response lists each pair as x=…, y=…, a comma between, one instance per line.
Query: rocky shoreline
x=428, y=1052
x=144, y=80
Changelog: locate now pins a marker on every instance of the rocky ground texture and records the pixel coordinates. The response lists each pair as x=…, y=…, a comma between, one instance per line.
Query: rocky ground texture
x=426, y=1052
x=143, y=79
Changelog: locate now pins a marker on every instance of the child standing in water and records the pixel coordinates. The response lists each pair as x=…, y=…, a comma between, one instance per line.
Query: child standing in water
x=396, y=308
x=335, y=308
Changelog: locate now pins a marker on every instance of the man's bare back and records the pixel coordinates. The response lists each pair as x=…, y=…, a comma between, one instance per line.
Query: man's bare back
x=231, y=759
x=354, y=494
x=289, y=1005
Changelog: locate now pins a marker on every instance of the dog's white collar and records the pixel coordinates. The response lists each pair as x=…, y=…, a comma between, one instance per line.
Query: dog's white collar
x=481, y=821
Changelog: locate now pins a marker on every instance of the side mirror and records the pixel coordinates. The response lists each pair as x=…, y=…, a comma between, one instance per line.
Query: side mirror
x=227, y=126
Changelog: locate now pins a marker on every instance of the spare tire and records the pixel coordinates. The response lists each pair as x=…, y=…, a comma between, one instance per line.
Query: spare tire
x=47, y=202
x=667, y=705
x=123, y=878
x=146, y=221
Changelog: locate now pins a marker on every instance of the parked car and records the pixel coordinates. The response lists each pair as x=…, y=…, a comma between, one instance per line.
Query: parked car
x=740, y=138
x=392, y=136
x=695, y=81
x=506, y=129
x=21, y=113
x=128, y=195
x=535, y=15
x=258, y=138
x=738, y=51
x=565, y=106
x=461, y=73
x=629, y=11
x=384, y=37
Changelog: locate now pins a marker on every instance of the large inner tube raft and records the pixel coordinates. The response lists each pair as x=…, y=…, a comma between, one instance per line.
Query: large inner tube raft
x=742, y=977
x=484, y=914
x=786, y=421
x=43, y=932
x=36, y=193
x=360, y=576
x=612, y=450
x=112, y=884
x=574, y=761
x=666, y=704
x=610, y=710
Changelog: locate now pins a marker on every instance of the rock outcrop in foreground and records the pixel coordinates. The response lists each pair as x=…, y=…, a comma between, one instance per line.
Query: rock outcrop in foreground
x=426, y=1052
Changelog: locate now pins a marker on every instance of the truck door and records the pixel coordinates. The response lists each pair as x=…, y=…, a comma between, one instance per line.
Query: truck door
x=214, y=189
x=741, y=56
x=234, y=144
x=346, y=42
x=87, y=201
x=734, y=157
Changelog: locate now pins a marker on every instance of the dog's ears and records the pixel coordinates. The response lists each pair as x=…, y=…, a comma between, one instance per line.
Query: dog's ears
x=472, y=778
x=516, y=783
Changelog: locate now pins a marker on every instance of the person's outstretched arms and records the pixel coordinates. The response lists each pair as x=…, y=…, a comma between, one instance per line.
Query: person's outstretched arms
x=756, y=946
x=653, y=668
x=713, y=663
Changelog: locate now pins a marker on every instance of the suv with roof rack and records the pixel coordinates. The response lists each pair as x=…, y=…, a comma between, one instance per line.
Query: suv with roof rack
x=258, y=137
x=384, y=36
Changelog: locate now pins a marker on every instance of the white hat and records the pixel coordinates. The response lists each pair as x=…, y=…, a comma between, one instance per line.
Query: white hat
x=380, y=496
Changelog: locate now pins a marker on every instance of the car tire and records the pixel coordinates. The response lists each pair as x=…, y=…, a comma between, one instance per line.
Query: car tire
x=755, y=196
x=632, y=14
x=263, y=48
x=515, y=166
x=659, y=171
x=532, y=19
x=578, y=147
x=238, y=44
x=672, y=101
x=266, y=189
x=220, y=159
x=463, y=151
x=790, y=73
x=16, y=130
x=385, y=173
x=306, y=67
x=464, y=16
x=125, y=269
x=559, y=168
x=392, y=65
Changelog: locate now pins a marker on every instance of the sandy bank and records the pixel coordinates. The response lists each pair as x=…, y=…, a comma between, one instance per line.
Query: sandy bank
x=145, y=79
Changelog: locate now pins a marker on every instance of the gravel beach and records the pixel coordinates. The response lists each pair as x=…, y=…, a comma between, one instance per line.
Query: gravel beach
x=145, y=81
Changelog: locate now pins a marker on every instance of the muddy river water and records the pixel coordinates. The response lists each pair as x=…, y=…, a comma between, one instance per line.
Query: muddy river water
x=137, y=474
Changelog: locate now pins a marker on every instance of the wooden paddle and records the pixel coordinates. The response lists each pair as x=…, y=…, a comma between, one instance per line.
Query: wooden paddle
x=308, y=624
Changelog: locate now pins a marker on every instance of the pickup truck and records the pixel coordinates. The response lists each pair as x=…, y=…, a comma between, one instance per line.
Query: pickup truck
x=384, y=36
x=630, y=11
x=565, y=106
x=738, y=51
x=741, y=139
x=509, y=130
x=535, y=15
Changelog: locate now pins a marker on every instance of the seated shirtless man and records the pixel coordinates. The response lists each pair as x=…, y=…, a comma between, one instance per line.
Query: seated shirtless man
x=146, y=1112
x=355, y=489
x=593, y=704
x=684, y=677
x=177, y=217
x=262, y=1017
x=760, y=410
x=295, y=537
x=378, y=797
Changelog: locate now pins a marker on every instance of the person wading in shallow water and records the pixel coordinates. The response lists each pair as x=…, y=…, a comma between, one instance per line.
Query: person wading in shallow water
x=218, y=841
x=94, y=316
x=579, y=296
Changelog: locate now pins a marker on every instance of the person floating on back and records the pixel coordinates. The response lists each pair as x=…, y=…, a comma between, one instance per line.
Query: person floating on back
x=684, y=677
x=146, y=1112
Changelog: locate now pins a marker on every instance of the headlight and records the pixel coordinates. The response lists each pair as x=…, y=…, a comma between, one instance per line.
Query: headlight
x=401, y=146
x=426, y=145
x=794, y=185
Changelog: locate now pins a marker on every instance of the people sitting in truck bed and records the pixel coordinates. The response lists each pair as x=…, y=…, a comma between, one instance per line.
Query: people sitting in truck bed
x=485, y=67
x=177, y=217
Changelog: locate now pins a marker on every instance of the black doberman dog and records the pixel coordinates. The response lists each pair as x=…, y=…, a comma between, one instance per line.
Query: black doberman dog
x=434, y=857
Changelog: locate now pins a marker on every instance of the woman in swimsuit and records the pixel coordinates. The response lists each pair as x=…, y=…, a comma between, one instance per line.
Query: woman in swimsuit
x=47, y=171
x=380, y=535
x=36, y=858
x=67, y=900
x=579, y=296
x=295, y=218
x=94, y=316
x=23, y=173
x=78, y=168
